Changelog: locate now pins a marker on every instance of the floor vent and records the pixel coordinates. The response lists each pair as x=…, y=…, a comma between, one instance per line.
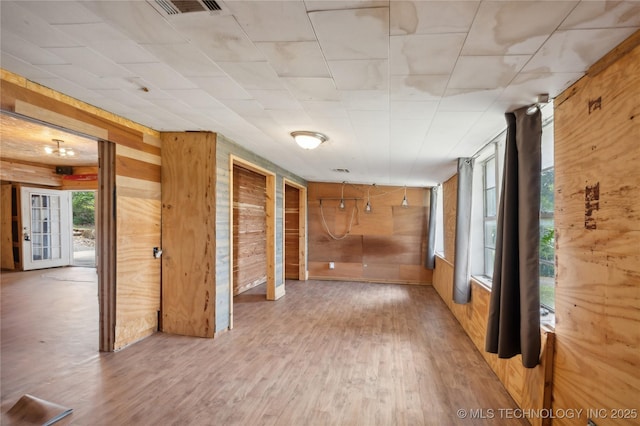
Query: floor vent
x=175, y=7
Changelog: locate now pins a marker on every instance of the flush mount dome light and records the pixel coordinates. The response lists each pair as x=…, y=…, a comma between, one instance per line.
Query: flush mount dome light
x=308, y=140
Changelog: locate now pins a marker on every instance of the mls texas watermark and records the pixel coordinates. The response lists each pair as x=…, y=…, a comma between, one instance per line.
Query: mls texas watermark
x=544, y=413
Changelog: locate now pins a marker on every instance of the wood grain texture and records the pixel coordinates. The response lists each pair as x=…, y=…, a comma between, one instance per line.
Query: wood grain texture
x=597, y=129
x=249, y=229
x=188, y=233
x=329, y=353
x=12, y=171
x=291, y=232
x=6, y=240
x=138, y=272
x=389, y=243
x=530, y=388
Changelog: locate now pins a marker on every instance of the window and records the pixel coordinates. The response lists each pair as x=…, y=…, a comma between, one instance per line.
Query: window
x=547, y=232
x=489, y=172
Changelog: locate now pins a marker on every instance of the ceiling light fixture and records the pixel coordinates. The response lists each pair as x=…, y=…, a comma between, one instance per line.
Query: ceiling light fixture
x=342, y=206
x=405, y=203
x=308, y=140
x=59, y=151
x=367, y=208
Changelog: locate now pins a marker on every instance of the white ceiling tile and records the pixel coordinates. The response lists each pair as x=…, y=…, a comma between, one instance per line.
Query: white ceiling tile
x=417, y=87
x=195, y=98
x=252, y=75
x=429, y=17
x=468, y=99
x=315, y=5
x=525, y=88
x=185, y=58
x=20, y=67
x=123, y=51
x=275, y=99
x=324, y=109
x=413, y=110
x=447, y=129
x=486, y=72
x=353, y=34
x=273, y=20
x=90, y=60
x=221, y=88
x=366, y=100
x=61, y=12
x=360, y=74
x=603, y=14
x=123, y=97
x=425, y=53
x=137, y=19
x=220, y=37
x=312, y=89
x=575, y=50
x=69, y=88
x=246, y=107
x=87, y=34
x=28, y=51
x=82, y=77
x=292, y=120
x=160, y=75
x=295, y=59
x=514, y=27
x=24, y=24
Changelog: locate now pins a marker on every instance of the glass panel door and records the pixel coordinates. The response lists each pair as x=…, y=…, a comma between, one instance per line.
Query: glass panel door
x=46, y=230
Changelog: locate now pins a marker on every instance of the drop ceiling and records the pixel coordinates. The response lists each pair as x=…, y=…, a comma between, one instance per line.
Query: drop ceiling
x=401, y=88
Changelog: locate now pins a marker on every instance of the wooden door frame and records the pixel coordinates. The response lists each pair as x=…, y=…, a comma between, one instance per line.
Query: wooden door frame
x=105, y=200
x=270, y=223
x=302, y=227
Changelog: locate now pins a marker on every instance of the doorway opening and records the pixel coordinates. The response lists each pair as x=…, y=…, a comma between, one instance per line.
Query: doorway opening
x=295, y=225
x=83, y=213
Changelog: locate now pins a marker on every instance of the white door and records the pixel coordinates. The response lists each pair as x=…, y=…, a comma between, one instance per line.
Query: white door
x=46, y=233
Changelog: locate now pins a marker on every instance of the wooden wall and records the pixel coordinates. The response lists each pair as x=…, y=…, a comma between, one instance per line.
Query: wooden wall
x=597, y=197
x=387, y=245
x=137, y=282
x=188, y=233
x=249, y=229
x=225, y=148
x=530, y=388
x=291, y=232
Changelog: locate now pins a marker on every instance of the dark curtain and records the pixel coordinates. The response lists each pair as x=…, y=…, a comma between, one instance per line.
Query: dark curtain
x=430, y=261
x=514, y=311
x=461, y=276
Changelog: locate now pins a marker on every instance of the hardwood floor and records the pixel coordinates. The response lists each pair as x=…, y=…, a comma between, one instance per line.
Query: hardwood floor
x=328, y=353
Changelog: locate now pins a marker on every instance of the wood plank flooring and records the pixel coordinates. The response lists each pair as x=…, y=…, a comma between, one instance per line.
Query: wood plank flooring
x=328, y=353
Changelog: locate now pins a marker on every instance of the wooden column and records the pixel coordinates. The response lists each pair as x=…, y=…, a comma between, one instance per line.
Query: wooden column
x=188, y=233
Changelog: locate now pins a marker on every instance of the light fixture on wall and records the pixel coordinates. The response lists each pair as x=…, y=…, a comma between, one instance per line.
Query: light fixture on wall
x=405, y=203
x=342, y=206
x=59, y=150
x=367, y=208
x=542, y=99
x=308, y=140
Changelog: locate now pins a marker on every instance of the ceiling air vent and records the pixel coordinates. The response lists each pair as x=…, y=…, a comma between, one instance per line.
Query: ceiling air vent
x=341, y=170
x=175, y=7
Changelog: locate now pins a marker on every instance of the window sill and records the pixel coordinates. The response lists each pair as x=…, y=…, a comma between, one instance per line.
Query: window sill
x=483, y=281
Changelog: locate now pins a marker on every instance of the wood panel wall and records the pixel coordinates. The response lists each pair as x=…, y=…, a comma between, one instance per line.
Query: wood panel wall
x=188, y=233
x=387, y=245
x=597, y=197
x=530, y=388
x=291, y=232
x=6, y=239
x=249, y=229
x=226, y=149
x=137, y=282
